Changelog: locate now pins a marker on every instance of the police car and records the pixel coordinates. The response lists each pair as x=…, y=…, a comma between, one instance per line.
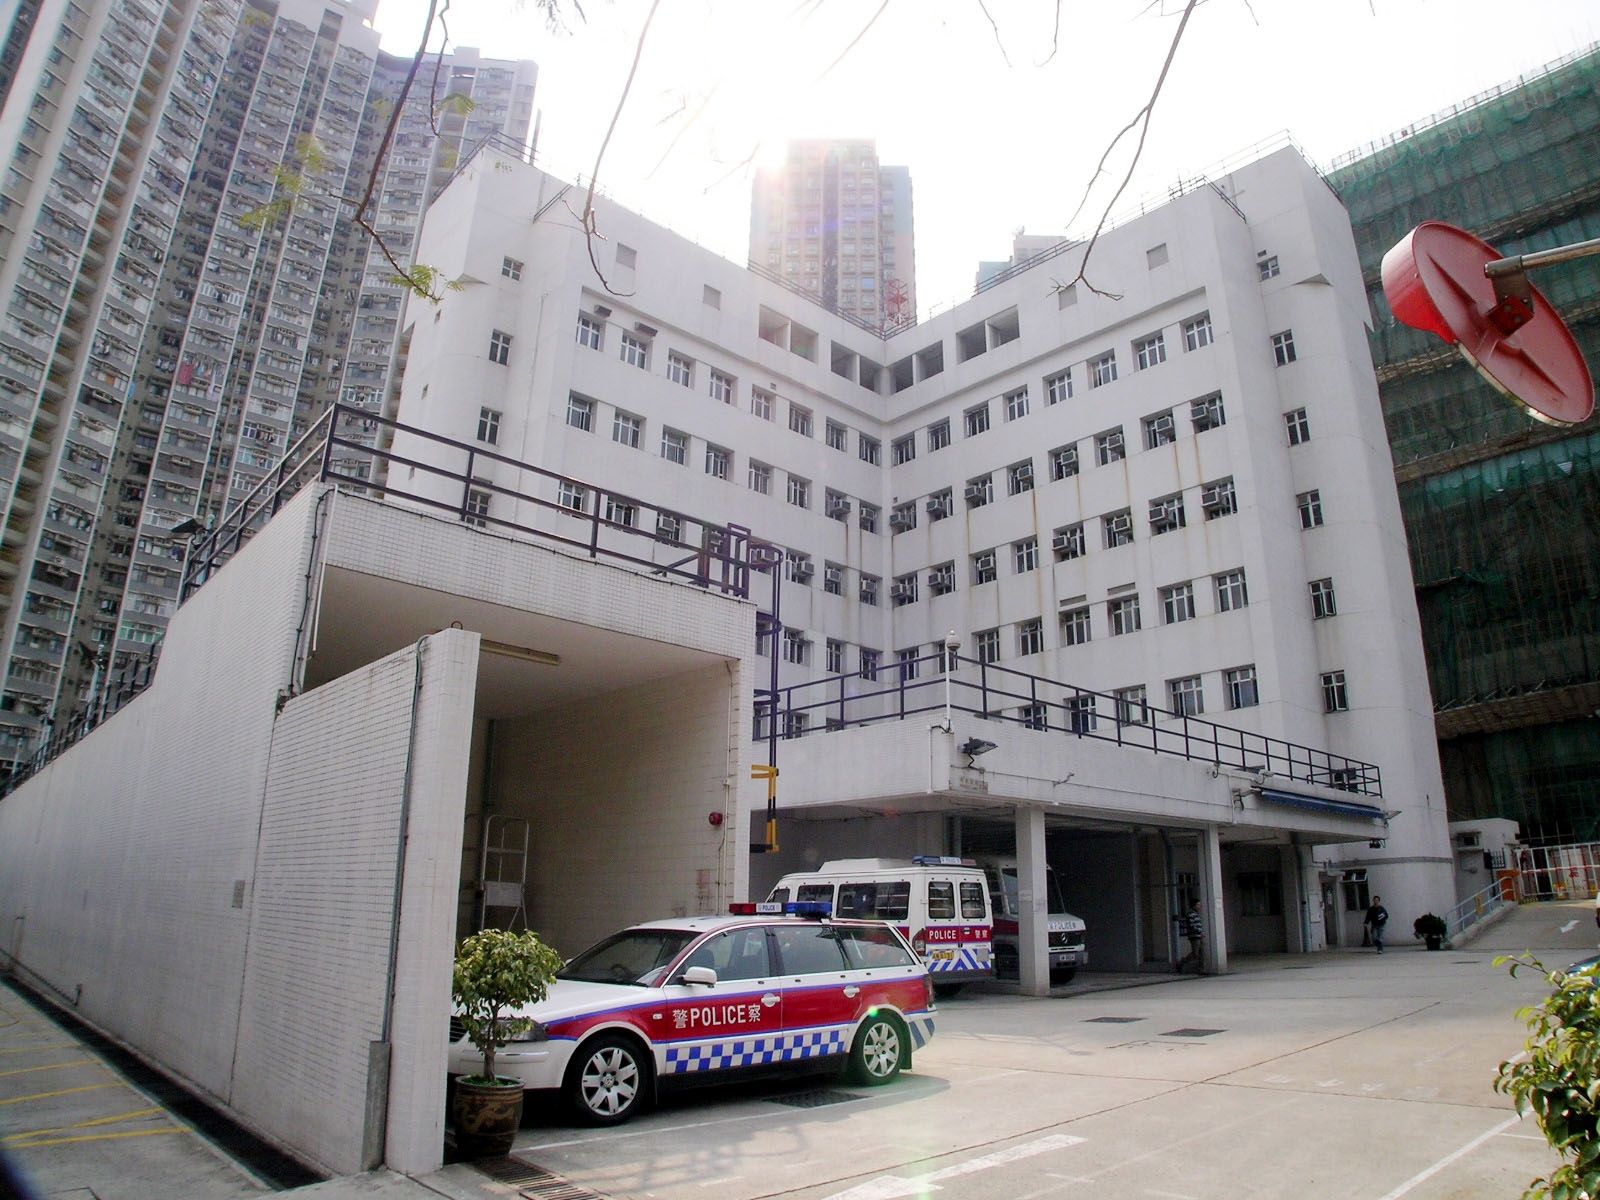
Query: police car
x=771, y=988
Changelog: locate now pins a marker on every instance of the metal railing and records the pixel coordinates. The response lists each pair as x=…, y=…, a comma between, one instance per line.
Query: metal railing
x=106, y=698
x=1476, y=909
x=907, y=688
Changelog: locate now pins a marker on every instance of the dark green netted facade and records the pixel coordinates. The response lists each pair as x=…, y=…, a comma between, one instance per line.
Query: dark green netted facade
x=1502, y=513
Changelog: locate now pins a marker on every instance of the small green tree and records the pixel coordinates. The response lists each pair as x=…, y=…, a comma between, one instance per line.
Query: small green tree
x=498, y=971
x=1559, y=1079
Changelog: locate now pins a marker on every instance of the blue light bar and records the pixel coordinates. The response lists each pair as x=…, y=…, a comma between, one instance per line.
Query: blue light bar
x=943, y=860
x=793, y=908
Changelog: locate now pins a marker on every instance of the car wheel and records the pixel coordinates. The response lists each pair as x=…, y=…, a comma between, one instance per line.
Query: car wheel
x=879, y=1052
x=608, y=1080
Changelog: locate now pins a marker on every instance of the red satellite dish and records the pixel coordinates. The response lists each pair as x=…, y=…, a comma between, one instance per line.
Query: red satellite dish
x=1435, y=281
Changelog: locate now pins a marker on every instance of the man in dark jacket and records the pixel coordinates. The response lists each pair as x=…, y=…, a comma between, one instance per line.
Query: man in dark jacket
x=1377, y=917
x=1193, y=928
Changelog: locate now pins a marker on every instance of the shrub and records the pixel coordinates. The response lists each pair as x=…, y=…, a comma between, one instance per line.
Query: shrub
x=496, y=971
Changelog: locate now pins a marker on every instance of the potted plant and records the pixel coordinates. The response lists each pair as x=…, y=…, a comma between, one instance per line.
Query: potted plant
x=496, y=973
x=1430, y=929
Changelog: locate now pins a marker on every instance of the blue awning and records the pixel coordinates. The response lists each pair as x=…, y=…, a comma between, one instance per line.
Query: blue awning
x=1344, y=808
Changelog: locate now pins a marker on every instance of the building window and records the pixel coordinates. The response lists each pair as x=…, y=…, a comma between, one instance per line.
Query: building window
x=717, y=461
x=1064, y=462
x=1197, y=332
x=1109, y=447
x=1150, y=352
x=1267, y=267
x=1299, y=427
x=1016, y=404
x=836, y=435
x=499, y=347
x=1019, y=478
x=1159, y=429
x=1080, y=711
x=796, y=647
x=986, y=645
x=674, y=446
x=799, y=492
x=1310, y=505
x=938, y=435
x=1118, y=528
x=868, y=450
x=869, y=518
x=477, y=508
x=635, y=350
x=680, y=369
x=621, y=512
x=722, y=387
x=1206, y=412
x=1030, y=637
x=941, y=504
x=668, y=527
x=1177, y=603
x=983, y=568
x=1322, y=602
x=1132, y=706
x=909, y=666
x=1335, y=697
x=1068, y=542
x=1025, y=555
x=488, y=426
x=835, y=505
x=1074, y=624
x=1184, y=696
x=1231, y=593
x=976, y=420
x=903, y=590
x=1283, y=347
x=869, y=660
x=1033, y=716
x=1122, y=615
x=903, y=517
x=833, y=579
x=627, y=429
x=1058, y=388
x=1217, y=499
x=510, y=268
x=590, y=331
x=980, y=491
x=835, y=652
x=1166, y=514
x=761, y=403
x=572, y=495
x=760, y=477
x=942, y=579
x=1103, y=370
x=868, y=592
x=903, y=449
x=1241, y=683
x=800, y=420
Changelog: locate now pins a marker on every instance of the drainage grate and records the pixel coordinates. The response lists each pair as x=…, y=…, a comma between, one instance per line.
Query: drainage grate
x=815, y=1098
x=1111, y=1020
x=532, y=1181
x=1192, y=1032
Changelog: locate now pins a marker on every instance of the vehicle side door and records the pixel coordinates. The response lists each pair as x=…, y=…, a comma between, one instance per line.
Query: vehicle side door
x=736, y=1022
x=822, y=999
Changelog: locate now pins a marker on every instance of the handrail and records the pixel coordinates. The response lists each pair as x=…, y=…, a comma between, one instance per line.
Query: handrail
x=1475, y=908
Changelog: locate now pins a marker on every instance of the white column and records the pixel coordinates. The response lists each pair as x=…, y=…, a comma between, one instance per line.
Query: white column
x=1211, y=900
x=1033, y=904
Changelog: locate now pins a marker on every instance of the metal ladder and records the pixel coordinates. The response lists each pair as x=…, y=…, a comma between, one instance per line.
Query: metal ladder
x=503, y=869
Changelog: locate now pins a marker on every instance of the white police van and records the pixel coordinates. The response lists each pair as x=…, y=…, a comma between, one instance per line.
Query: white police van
x=1068, y=935
x=940, y=904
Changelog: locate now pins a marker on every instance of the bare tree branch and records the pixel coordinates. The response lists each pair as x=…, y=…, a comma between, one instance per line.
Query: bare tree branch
x=1055, y=37
x=998, y=43
x=853, y=41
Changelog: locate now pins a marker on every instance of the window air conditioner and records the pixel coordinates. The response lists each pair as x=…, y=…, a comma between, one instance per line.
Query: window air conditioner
x=977, y=493
x=985, y=562
x=902, y=591
x=900, y=522
x=1062, y=540
x=803, y=570
x=839, y=509
x=937, y=507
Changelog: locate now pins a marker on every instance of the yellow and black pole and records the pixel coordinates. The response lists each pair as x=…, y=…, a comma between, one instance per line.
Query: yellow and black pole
x=769, y=772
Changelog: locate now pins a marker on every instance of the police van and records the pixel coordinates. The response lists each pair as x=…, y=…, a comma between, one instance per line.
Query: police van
x=1067, y=934
x=940, y=904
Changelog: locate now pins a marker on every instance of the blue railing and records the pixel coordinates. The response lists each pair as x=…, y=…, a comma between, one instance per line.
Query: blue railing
x=908, y=688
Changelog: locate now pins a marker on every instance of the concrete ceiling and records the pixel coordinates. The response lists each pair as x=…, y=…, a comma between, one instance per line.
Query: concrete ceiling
x=364, y=618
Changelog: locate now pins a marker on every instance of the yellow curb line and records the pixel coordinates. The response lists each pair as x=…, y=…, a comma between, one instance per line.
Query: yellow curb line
x=88, y=1087
x=17, y=1137
x=96, y=1137
x=77, y=1062
x=32, y=1049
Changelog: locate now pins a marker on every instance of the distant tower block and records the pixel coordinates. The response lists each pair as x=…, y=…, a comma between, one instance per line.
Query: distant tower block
x=897, y=301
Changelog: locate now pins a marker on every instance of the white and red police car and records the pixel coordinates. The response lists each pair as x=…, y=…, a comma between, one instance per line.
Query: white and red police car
x=710, y=999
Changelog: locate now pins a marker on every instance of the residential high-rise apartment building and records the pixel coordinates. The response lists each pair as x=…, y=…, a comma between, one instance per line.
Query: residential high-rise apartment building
x=836, y=224
x=1502, y=513
x=160, y=345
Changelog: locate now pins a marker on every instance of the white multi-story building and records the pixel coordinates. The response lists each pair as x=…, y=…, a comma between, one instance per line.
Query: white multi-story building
x=835, y=223
x=159, y=350
x=1158, y=517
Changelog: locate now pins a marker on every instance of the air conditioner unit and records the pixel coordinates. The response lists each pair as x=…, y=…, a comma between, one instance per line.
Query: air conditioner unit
x=900, y=522
x=803, y=570
x=1062, y=541
x=984, y=562
x=839, y=509
x=601, y=310
x=938, y=507
x=977, y=493
x=939, y=579
x=902, y=591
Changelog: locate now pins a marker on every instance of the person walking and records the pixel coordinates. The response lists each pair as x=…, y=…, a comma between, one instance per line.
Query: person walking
x=1193, y=928
x=1377, y=917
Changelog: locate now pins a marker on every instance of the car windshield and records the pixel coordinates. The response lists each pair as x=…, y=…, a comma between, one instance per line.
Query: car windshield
x=634, y=956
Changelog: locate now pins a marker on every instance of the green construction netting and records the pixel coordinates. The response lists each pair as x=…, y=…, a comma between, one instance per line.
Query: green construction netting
x=1542, y=777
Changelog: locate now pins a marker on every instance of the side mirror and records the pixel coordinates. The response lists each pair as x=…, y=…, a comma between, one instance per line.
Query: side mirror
x=700, y=975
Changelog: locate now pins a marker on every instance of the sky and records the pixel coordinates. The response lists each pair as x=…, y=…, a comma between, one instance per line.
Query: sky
x=1001, y=122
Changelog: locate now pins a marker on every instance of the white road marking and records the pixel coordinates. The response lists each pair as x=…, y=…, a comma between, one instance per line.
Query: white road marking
x=1425, y=1175
x=891, y=1187
x=1569, y=927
